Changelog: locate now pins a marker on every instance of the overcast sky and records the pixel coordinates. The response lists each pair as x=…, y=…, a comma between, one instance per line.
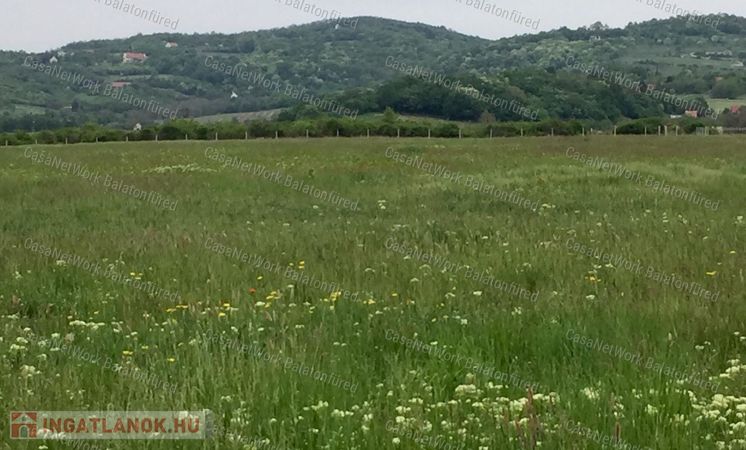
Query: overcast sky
x=38, y=25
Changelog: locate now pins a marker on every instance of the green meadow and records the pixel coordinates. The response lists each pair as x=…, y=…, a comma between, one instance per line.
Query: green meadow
x=553, y=293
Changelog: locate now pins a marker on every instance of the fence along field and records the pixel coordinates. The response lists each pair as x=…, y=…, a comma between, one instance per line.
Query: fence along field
x=614, y=359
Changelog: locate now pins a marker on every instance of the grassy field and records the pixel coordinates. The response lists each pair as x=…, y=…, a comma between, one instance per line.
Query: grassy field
x=385, y=302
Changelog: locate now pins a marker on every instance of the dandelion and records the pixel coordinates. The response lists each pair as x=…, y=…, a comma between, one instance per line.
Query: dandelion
x=171, y=360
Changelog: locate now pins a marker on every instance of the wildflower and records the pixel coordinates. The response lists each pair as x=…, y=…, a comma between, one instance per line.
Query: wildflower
x=29, y=371
x=466, y=389
x=590, y=393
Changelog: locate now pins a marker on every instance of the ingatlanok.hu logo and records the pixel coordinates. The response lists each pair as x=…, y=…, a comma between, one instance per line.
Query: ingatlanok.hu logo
x=23, y=425
x=110, y=425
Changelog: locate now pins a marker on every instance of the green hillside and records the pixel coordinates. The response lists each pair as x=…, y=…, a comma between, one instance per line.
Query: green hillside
x=354, y=67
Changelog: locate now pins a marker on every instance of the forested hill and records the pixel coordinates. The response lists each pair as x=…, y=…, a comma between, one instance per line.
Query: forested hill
x=356, y=66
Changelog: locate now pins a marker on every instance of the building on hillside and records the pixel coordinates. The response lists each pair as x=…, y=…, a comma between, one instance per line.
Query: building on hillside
x=735, y=109
x=171, y=45
x=119, y=84
x=693, y=114
x=130, y=57
x=53, y=60
x=234, y=95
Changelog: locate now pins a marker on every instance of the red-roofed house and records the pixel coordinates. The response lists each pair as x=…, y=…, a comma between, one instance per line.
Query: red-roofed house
x=130, y=57
x=120, y=84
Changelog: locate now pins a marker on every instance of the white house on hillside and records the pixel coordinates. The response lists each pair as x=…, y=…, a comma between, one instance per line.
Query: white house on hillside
x=130, y=57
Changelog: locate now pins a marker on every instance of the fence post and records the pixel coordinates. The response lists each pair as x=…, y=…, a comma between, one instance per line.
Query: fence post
x=368, y=133
x=65, y=141
x=521, y=131
x=490, y=133
x=460, y=133
x=306, y=133
x=6, y=142
x=583, y=131
x=156, y=137
x=429, y=134
x=659, y=130
x=552, y=132
x=216, y=135
x=96, y=140
x=126, y=139
x=277, y=134
x=646, y=131
x=677, y=130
